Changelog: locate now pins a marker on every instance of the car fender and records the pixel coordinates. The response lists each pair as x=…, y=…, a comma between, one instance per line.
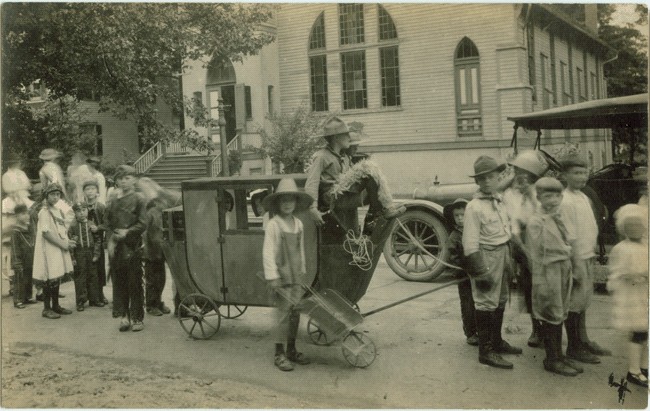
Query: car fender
x=424, y=205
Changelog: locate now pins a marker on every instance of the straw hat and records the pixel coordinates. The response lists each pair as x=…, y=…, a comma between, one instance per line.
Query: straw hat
x=532, y=161
x=334, y=127
x=49, y=154
x=285, y=187
x=486, y=164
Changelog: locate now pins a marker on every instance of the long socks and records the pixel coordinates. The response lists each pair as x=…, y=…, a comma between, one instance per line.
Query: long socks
x=279, y=349
x=47, y=298
x=54, y=293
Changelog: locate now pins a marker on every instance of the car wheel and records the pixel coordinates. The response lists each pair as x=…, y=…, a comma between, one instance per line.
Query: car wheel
x=405, y=257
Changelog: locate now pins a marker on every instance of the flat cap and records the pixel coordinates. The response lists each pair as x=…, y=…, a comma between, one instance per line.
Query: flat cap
x=549, y=184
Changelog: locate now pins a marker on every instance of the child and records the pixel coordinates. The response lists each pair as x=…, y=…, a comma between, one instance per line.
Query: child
x=86, y=255
x=52, y=261
x=550, y=258
x=486, y=237
x=628, y=280
x=154, y=260
x=125, y=218
x=284, y=266
x=22, y=257
x=455, y=214
x=582, y=228
x=96, y=211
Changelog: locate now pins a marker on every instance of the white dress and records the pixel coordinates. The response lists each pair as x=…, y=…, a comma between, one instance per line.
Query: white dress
x=50, y=261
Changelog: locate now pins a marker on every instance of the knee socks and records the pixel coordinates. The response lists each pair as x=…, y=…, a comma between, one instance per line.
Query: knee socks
x=54, y=294
x=47, y=298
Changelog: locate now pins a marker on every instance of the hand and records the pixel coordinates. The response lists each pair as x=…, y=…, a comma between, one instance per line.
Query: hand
x=317, y=216
x=276, y=283
x=72, y=244
x=93, y=228
x=120, y=233
x=95, y=259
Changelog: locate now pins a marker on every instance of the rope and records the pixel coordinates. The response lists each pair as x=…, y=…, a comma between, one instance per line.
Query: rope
x=360, y=248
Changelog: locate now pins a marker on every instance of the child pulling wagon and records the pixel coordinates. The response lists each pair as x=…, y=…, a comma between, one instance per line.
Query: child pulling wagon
x=284, y=266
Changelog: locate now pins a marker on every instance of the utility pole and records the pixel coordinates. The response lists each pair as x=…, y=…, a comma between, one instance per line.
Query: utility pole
x=225, y=166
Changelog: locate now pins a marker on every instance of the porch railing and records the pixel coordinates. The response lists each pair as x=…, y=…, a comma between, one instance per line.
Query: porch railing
x=217, y=164
x=155, y=153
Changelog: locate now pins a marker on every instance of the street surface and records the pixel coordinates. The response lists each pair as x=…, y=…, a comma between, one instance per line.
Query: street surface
x=82, y=360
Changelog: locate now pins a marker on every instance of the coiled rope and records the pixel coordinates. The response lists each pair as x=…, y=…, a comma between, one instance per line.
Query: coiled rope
x=361, y=248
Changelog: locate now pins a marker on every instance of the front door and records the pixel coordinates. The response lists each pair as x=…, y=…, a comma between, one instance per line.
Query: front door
x=227, y=93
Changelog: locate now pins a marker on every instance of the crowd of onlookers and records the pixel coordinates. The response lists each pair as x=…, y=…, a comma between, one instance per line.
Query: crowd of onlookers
x=61, y=229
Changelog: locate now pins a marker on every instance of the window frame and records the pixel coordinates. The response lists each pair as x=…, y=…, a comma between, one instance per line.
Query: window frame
x=360, y=39
x=475, y=111
x=397, y=79
x=312, y=83
x=364, y=90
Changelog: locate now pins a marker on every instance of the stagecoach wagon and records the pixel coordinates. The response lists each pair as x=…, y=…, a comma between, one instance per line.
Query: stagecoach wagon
x=213, y=246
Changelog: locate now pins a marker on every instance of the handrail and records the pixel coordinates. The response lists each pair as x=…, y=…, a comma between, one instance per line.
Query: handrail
x=217, y=164
x=149, y=158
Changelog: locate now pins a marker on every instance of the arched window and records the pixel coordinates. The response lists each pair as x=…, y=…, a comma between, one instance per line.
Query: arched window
x=220, y=71
x=468, y=89
x=318, y=66
x=388, y=60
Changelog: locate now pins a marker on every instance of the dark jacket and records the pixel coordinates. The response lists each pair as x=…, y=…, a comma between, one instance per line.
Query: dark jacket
x=79, y=230
x=22, y=249
x=127, y=212
x=153, y=237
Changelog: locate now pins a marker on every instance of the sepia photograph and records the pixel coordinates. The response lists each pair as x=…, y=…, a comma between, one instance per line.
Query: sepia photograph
x=324, y=205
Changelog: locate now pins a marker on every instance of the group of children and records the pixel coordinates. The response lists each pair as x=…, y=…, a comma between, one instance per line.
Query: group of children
x=49, y=247
x=556, y=233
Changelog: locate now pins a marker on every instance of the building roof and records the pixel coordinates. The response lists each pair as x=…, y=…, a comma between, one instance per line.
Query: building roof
x=627, y=111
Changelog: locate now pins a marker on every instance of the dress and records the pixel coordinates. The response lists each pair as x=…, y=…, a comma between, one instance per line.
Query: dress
x=51, y=262
x=16, y=184
x=628, y=281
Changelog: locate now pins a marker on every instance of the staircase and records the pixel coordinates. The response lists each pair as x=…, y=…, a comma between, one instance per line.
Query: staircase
x=171, y=169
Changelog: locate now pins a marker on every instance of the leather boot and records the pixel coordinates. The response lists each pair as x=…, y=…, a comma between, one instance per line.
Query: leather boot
x=535, y=340
x=575, y=349
x=485, y=353
x=499, y=344
x=553, y=362
x=557, y=335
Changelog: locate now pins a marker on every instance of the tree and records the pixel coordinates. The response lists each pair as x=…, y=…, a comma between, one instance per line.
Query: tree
x=129, y=53
x=293, y=138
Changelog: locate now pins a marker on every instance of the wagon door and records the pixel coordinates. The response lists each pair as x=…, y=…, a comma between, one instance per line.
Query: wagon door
x=202, y=241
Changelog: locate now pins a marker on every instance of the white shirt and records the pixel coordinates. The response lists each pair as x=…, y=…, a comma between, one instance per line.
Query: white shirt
x=578, y=217
x=520, y=207
x=272, y=240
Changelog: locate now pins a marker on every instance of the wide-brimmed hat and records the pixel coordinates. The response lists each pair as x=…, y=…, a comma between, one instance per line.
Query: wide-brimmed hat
x=532, y=161
x=447, y=211
x=486, y=164
x=285, y=187
x=124, y=170
x=49, y=154
x=52, y=187
x=572, y=160
x=94, y=160
x=334, y=127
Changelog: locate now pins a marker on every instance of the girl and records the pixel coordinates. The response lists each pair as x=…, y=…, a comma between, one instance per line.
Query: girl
x=284, y=266
x=52, y=261
x=628, y=280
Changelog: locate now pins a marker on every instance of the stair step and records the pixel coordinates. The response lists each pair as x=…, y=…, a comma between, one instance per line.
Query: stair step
x=172, y=179
x=172, y=169
x=185, y=159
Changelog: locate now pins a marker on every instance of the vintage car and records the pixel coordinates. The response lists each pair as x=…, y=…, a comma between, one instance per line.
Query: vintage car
x=614, y=185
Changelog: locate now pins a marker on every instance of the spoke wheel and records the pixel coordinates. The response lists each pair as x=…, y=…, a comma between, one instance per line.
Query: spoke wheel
x=232, y=311
x=358, y=350
x=316, y=335
x=405, y=256
x=200, y=316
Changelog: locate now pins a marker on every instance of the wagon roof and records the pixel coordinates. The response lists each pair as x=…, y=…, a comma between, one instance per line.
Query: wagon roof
x=627, y=111
x=214, y=182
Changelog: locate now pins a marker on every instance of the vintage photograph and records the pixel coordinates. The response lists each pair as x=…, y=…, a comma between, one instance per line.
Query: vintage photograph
x=324, y=205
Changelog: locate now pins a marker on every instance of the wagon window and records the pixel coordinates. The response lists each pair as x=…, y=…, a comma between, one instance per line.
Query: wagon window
x=247, y=212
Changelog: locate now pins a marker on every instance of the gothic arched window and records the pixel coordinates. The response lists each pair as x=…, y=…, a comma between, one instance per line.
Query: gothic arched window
x=467, y=77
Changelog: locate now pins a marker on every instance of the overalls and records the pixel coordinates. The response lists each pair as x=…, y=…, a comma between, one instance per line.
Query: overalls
x=289, y=268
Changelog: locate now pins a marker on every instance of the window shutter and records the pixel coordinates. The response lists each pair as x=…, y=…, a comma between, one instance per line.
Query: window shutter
x=240, y=106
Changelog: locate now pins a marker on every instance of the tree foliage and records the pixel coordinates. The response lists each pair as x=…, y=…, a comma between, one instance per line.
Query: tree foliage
x=132, y=54
x=293, y=139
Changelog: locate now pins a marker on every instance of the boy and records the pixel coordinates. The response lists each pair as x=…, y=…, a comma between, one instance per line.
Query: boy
x=550, y=258
x=22, y=257
x=284, y=266
x=328, y=164
x=582, y=229
x=486, y=237
x=454, y=213
x=154, y=260
x=126, y=219
x=86, y=255
x=96, y=211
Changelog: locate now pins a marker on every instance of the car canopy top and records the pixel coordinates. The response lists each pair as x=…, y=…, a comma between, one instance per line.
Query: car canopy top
x=627, y=111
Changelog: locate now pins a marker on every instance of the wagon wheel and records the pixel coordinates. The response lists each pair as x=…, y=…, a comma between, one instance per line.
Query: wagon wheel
x=232, y=311
x=405, y=256
x=316, y=335
x=358, y=349
x=200, y=319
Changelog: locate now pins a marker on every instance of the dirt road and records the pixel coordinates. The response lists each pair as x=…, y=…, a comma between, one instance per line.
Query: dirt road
x=82, y=360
